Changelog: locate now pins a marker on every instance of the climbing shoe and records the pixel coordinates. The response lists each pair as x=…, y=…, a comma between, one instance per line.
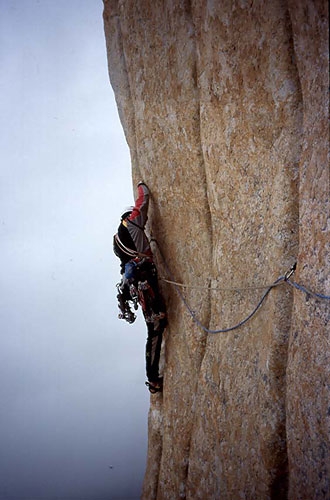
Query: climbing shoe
x=155, y=386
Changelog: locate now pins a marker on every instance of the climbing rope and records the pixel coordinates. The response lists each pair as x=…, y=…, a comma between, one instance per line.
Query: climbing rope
x=238, y=325
x=308, y=292
x=281, y=280
x=217, y=288
x=247, y=288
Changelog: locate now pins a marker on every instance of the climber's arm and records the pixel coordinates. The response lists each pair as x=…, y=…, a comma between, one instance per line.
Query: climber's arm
x=139, y=214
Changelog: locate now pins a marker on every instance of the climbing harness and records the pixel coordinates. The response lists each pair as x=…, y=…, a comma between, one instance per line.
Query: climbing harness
x=135, y=287
x=281, y=280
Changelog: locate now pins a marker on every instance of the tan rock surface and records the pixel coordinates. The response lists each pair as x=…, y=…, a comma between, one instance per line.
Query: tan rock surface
x=224, y=106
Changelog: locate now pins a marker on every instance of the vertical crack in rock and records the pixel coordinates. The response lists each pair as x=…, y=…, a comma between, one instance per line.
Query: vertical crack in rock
x=209, y=225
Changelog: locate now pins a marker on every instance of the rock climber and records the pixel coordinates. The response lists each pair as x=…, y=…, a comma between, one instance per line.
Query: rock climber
x=139, y=283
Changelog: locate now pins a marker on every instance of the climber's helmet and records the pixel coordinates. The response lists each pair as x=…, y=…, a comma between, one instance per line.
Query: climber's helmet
x=126, y=213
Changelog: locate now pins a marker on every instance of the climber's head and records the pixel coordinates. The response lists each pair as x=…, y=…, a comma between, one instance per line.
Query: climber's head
x=126, y=213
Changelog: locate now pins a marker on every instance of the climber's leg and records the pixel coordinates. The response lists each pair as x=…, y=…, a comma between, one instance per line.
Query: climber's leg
x=153, y=348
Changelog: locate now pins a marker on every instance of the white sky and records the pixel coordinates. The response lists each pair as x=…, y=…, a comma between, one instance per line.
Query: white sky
x=73, y=400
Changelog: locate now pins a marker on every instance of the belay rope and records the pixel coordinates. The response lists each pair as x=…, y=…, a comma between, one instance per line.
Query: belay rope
x=281, y=280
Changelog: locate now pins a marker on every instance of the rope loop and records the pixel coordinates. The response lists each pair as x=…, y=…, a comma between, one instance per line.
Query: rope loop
x=281, y=280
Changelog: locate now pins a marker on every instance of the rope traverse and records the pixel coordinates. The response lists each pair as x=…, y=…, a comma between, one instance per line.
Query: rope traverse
x=217, y=288
x=239, y=289
x=238, y=325
x=281, y=280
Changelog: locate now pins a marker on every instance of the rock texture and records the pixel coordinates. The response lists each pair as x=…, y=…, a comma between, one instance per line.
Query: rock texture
x=225, y=106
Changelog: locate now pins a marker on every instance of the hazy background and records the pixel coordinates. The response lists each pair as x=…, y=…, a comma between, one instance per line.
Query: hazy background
x=73, y=405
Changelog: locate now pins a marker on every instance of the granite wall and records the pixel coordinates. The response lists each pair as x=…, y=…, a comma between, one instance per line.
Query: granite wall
x=224, y=105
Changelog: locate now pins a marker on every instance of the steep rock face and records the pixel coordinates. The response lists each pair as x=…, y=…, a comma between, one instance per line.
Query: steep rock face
x=308, y=372
x=224, y=107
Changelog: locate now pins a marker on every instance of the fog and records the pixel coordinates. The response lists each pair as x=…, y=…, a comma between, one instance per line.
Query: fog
x=73, y=413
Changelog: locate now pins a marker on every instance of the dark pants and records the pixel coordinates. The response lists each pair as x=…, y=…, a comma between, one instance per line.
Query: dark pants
x=154, y=304
x=153, y=348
